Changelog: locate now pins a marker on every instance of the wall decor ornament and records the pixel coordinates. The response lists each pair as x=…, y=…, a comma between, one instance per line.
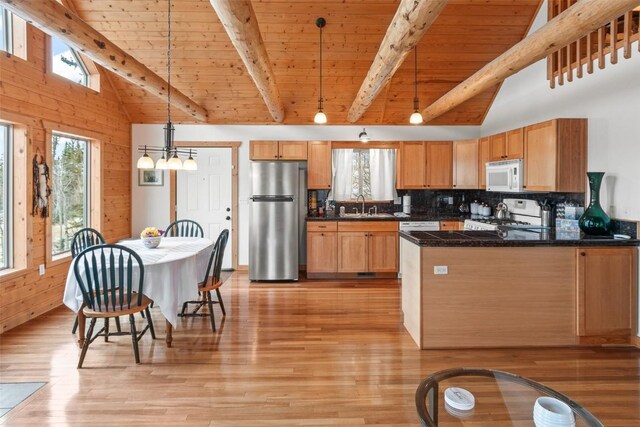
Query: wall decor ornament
x=41, y=186
x=594, y=220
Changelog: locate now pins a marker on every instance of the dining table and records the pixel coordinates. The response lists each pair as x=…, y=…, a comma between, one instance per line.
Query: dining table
x=172, y=272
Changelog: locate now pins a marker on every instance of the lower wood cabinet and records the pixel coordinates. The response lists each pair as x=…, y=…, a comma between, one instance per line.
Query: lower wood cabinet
x=352, y=247
x=451, y=225
x=322, y=247
x=606, y=283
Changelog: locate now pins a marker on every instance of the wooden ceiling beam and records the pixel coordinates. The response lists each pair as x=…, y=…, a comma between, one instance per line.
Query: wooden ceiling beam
x=239, y=20
x=411, y=21
x=577, y=21
x=57, y=20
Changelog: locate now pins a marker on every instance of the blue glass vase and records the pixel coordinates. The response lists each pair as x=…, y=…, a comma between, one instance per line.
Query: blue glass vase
x=594, y=220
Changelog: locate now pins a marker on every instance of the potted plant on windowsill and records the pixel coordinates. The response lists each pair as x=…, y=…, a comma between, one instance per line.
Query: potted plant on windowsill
x=151, y=237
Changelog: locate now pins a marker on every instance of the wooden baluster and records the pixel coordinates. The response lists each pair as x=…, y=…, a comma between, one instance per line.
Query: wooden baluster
x=579, y=58
x=560, y=51
x=601, y=63
x=590, y=53
x=551, y=59
x=626, y=53
x=568, y=49
x=614, y=41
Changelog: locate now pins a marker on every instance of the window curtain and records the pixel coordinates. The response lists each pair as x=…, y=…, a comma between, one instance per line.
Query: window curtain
x=382, y=164
x=341, y=185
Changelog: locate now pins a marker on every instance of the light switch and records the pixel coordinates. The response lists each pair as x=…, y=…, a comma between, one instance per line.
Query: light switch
x=41, y=269
x=440, y=269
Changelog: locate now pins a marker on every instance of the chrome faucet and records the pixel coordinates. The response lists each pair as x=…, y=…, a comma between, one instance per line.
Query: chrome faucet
x=358, y=198
x=356, y=210
x=375, y=210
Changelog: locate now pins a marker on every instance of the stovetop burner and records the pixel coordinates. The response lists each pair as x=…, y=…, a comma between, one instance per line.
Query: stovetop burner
x=496, y=221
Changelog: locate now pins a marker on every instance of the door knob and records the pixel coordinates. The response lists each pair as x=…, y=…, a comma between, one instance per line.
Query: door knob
x=228, y=209
x=228, y=218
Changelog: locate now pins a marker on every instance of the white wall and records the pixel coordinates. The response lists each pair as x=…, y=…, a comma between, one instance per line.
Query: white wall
x=609, y=98
x=150, y=205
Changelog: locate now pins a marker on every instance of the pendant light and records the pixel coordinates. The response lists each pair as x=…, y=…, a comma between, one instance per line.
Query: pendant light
x=363, y=137
x=169, y=159
x=320, y=118
x=145, y=162
x=416, y=117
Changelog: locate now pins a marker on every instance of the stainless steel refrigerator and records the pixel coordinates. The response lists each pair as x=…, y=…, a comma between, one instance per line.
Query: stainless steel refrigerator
x=275, y=224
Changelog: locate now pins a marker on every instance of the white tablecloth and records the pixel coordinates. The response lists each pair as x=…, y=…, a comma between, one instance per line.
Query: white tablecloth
x=171, y=273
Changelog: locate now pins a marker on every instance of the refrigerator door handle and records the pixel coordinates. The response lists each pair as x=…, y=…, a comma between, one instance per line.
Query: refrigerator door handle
x=270, y=199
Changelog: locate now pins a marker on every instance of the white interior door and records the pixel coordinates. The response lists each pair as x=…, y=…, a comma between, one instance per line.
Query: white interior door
x=205, y=195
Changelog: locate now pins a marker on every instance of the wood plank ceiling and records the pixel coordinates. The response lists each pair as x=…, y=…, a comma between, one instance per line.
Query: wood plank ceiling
x=206, y=67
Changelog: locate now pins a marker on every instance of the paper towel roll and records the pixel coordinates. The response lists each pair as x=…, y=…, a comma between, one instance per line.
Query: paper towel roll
x=406, y=204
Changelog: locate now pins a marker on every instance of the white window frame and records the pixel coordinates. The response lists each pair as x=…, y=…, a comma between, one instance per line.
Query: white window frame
x=86, y=172
x=7, y=19
x=7, y=243
x=86, y=81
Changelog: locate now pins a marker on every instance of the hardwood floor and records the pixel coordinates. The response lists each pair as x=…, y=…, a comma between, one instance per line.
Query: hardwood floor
x=314, y=353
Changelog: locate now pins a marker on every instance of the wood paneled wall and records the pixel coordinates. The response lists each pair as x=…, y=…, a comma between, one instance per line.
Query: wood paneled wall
x=32, y=96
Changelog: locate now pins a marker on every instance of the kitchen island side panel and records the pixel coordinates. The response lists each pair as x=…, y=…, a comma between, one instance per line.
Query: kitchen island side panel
x=498, y=297
x=412, y=290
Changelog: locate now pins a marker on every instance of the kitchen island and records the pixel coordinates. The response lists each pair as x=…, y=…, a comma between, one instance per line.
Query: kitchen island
x=473, y=289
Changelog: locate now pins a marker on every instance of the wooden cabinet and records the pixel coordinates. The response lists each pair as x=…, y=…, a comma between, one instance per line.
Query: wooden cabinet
x=319, y=165
x=555, y=156
x=606, y=297
x=451, y=225
x=367, y=247
x=439, y=164
x=278, y=150
x=411, y=165
x=497, y=147
x=465, y=164
x=322, y=247
x=515, y=144
x=484, y=156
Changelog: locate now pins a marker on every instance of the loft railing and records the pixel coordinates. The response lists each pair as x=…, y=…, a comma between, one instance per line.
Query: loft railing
x=618, y=34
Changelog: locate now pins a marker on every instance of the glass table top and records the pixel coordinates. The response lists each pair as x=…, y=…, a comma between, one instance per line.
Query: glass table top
x=501, y=399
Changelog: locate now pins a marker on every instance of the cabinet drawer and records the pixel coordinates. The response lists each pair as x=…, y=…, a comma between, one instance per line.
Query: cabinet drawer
x=451, y=225
x=322, y=226
x=367, y=226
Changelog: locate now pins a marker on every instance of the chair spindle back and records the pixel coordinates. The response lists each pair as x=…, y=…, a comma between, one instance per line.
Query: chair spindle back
x=85, y=238
x=184, y=228
x=217, y=254
x=107, y=279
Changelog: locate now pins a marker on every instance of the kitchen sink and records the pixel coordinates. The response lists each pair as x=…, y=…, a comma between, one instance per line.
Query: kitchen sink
x=365, y=216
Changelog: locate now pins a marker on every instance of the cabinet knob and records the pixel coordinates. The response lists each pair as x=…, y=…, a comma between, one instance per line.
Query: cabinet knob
x=583, y=254
x=275, y=156
x=322, y=234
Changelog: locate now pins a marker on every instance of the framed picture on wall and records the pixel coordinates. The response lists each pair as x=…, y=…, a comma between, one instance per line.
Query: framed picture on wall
x=150, y=177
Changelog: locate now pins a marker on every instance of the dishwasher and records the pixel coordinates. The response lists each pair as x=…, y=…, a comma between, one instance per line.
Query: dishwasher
x=416, y=226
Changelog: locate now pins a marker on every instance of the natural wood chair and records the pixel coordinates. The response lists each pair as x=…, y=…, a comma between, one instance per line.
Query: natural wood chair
x=211, y=282
x=184, y=228
x=105, y=276
x=80, y=241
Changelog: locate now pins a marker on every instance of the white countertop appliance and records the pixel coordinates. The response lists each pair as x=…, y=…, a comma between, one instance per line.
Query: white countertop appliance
x=523, y=213
x=505, y=176
x=416, y=226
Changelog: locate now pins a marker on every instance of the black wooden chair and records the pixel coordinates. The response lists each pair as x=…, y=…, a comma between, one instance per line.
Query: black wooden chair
x=80, y=241
x=105, y=274
x=184, y=228
x=211, y=282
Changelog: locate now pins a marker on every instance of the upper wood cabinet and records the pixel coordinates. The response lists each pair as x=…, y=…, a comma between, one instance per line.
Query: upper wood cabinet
x=411, y=165
x=465, y=164
x=515, y=144
x=319, y=165
x=278, y=150
x=497, y=147
x=555, y=156
x=484, y=154
x=439, y=164
x=605, y=291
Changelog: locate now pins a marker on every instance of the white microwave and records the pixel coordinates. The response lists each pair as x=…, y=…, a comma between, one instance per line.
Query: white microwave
x=505, y=176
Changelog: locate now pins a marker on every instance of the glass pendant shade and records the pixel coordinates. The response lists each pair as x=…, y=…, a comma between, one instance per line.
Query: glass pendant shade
x=145, y=162
x=320, y=118
x=174, y=163
x=190, y=165
x=594, y=220
x=162, y=163
x=416, y=118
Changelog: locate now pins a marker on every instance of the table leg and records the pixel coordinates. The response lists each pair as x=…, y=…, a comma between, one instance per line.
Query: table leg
x=81, y=323
x=169, y=337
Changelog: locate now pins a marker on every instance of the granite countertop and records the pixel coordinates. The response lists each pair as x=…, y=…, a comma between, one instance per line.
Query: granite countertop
x=510, y=238
x=414, y=217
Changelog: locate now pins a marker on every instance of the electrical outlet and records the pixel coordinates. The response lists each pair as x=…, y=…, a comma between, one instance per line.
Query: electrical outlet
x=440, y=269
x=41, y=269
x=450, y=200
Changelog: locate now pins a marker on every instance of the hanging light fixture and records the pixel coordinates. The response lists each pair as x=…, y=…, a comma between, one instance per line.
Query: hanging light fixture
x=363, y=137
x=416, y=117
x=145, y=162
x=169, y=159
x=320, y=118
